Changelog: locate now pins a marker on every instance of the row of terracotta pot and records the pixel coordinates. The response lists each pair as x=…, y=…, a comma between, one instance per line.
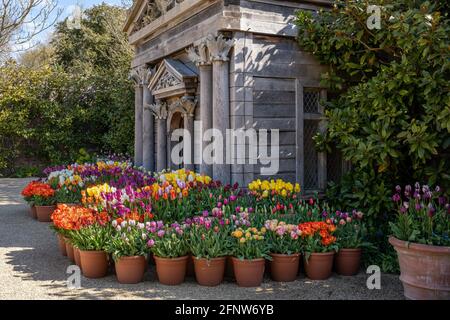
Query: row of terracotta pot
x=44, y=213
x=248, y=273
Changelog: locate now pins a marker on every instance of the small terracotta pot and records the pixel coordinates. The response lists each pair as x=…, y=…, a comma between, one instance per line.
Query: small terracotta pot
x=284, y=267
x=319, y=265
x=94, y=263
x=77, y=256
x=62, y=245
x=130, y=269
x=424, y=270
x=69, y=251
x=209, y=272
x=33, y=213
x=249, y=273
x=347, y=261
x=171, y=271
x=44, y=213
x=190, y=270
x=229, y=270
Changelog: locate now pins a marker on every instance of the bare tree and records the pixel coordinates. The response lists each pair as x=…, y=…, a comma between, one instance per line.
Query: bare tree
x=22, y=20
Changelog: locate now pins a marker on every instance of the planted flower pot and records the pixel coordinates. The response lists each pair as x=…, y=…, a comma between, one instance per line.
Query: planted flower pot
x=130, y=269
x=209, y=272
x=319, y=265
x=94, y=263
x=171, y=271
x=33, y=213
x=62, y=245
x=347, y=261
x=44, y=213
x=77, y=256
x=69, y=251
x=284, y=267
x=249, y=273
x=424, y=270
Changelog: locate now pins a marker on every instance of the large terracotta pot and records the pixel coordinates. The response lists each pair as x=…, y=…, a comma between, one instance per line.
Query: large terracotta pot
x=171, y=271
x=94, y=264
x=424, y=270
x=77, y=256
x=249, y=273
x=69, y=251
x=44, y=213
x=319, y=265
x=130, y=269
x=347, y=261
x=62, y=244
x=33, y=213
x=209, y=272
x=284, y=267
x=229, y=270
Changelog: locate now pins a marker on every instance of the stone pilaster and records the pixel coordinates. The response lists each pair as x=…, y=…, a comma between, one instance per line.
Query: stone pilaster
x=159, y=111
x=137, y=76
x=219, y=48
x=148, y=148
x=200, y=56
x=188, y=148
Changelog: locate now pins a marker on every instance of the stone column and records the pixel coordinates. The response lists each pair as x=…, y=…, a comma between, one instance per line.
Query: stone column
x=200, y=56
x=160, y=112
x=137, y=76
x=219, y=49
x=188, y=118
x=148, y=147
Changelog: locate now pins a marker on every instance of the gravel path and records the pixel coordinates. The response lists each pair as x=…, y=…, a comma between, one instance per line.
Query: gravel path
x=32, y=268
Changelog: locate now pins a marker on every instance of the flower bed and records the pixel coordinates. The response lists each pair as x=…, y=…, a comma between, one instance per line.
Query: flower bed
x=115, y=213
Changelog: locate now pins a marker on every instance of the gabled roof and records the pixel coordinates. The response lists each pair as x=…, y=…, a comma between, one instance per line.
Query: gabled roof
x=134, y=13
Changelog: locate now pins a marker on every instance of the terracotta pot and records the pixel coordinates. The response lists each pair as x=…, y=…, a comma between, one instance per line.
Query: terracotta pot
x=229, y=270
x=130, y=269
x=94, y=263
x=44, y=213
x=33, y=213
x=249, y=273
x=171, y=271
x=424, y=270
x=62, y=244
x=347, y=261
x=190, y=270
x=77, y=256
x=69, y=251
x=319, y=265
x=209, y=272
x=284, y=267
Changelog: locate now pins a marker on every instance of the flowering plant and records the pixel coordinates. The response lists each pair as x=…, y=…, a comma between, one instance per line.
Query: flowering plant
x=128, y=239
x=318, y=236
x=282, y=237
x=423, y=215
x=209, y=237
x=350, y=229
x=68, y=194
x=167, y=241
x=250, y=243
x=38, y=193
x=92, y=231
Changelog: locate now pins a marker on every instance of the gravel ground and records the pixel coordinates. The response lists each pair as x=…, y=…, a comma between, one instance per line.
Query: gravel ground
x=32, y=268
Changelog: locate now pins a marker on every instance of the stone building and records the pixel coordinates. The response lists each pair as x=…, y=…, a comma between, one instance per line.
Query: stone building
x=231, y=64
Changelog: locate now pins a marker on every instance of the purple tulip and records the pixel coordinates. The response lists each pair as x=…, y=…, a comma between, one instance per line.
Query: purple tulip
x=151, y=243
x=396, y=197
x=403, y=209
x=398, y=189
x=418, y=206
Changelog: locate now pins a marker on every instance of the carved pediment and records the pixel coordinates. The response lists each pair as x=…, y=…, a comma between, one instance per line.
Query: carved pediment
x=150, y=10
x=173, y=78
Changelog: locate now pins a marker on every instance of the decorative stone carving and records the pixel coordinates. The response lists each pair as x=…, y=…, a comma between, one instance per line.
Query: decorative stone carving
x=219, y=47
x=159, y=110
x=167, y=80
x=199, y=55
x=140, y=75
x=185, y=105
x=153, y=10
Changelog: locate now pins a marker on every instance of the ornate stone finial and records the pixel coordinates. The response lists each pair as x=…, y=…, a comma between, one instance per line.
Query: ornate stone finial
x=140, y=75
x=200, y=54
x=219, y=47
x=159, y=110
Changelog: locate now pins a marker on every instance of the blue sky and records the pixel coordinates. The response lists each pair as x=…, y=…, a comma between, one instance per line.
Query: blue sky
x=66, y=8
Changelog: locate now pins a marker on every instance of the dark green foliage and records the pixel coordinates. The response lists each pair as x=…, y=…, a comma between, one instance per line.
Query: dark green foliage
x=78, y=98
x=391, y=117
